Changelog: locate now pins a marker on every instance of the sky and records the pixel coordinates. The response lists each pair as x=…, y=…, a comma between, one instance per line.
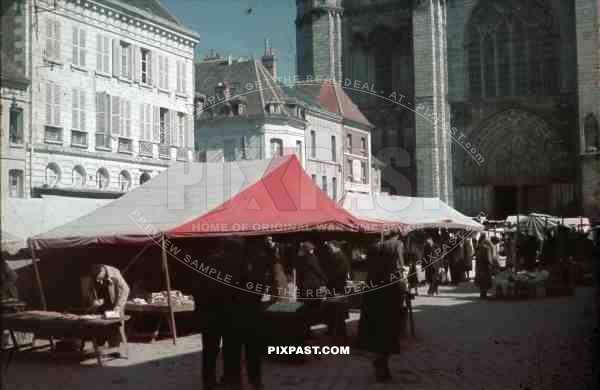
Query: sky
x=239, y=27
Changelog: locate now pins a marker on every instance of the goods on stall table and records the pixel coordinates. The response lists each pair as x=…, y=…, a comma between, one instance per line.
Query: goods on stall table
x=160, y=298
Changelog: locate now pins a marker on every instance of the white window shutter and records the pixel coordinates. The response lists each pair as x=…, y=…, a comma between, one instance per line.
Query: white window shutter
x=82, y=110
x=142, y=123
x=169, y=127
x=115, y=115
x=155, y=123
x=130, y=62
x=166, y=72
x=82, y=48
x=75, y=110
x=154, y=68
x=58, y=34
x=49, y=104
x=99, y=56
x=49, y=38
x=128, y=119
x=116, y=60
x=75, y=46
x=58, y=105
x=137, y=64
x=189, y=131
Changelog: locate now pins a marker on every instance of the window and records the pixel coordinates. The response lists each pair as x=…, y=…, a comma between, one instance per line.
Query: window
x=314, y=178
x=181, y=130
x=299, y=150
x=52, y=175
x=15, y=177
x=349, y=143
x=78, y=106
x=78, y=138
x=53, y=105
x=146, y=121
x=276, y=147
x=334, y=188
x=244, y=147
x=363, y=172
x=146, y=72
x=181, y=77
x=16, y=125
x=333, y=148
x=164, y=126
x=53, y=135
x=79, y=50
x=102, y=179
x=102, y=120
x=126, y=60
x=163, y=72
x=229, y=150
x=313, y=144
x=124, y=181
x=324, y=184
x=102, y=54
x=53, y=33
x=363, y=145
x=125, y=145
x=144, y=177
x=349, y=170
x=120, y=114
x=79, y=176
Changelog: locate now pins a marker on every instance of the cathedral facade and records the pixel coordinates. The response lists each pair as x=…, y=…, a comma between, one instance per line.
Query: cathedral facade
x=491, y=105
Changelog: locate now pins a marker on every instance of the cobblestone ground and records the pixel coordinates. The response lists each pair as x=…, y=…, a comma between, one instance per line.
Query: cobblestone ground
x=462, y=343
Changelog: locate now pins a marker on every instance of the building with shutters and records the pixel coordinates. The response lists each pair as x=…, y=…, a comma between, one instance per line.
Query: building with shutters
x=112, y=96
x=243, y=111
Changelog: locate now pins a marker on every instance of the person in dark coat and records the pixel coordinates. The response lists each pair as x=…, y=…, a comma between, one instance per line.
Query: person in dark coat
x=431, y=256
x=310, y=278
x=250, y=263
x=483, y=266
x=337, y=268
x=211, y=306
x=456, y=264
x=382, y=316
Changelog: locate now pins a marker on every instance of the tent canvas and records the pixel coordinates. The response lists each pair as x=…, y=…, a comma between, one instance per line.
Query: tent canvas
x=207, y=199
x=414, y=212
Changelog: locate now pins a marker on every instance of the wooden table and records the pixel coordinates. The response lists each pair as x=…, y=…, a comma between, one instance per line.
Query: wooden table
x=160, y=310
x=54, y=325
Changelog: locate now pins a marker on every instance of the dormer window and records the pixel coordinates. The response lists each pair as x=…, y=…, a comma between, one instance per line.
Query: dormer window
x=239, y=105
x=274, y=108
x=241, y=108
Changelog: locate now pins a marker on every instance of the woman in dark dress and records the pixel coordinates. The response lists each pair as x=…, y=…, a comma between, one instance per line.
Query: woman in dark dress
x=382, y=316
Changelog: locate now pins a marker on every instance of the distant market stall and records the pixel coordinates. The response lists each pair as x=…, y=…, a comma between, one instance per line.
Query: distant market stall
x=405, y=213
x=198, y=200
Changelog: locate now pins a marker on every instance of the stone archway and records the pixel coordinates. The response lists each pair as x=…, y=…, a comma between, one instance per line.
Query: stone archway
x=525, y=161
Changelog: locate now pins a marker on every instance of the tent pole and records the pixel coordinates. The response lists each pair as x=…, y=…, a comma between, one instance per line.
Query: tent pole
x=36, y=271
x=168, y=282
x=134, y=259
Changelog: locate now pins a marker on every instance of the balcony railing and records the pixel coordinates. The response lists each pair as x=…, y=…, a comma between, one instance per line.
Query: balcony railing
x=146, y=148
x=103, y=141
x=164, y=151
x=125, y=145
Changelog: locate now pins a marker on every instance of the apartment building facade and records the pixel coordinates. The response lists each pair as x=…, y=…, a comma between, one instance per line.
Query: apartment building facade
x=112, y=96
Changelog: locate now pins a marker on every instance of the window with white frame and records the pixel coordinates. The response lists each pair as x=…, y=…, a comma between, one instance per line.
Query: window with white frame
x=181, y=129
x=120, y=113
x=333, y=148
x=334, y=188
x=124, y=181
x=102, y=54
x=163, y=72
x=349, y=143
x=276, y=147
x=299, y=150
x=16, y=125
x=146, y=70
x=313, y=144
x=349, y=170
x=79, y=49
x=324, y=184
x=126, y=60
x=181, y=77
x=78, y=107
x=363, y=145
x=15, y=183
x=363, y=172
x=102, y=120
x=229, y=150
x=146, y=120
x=53, y=38
x=53, y=105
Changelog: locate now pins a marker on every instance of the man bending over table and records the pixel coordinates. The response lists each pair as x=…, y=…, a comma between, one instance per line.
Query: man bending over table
x=105, y=289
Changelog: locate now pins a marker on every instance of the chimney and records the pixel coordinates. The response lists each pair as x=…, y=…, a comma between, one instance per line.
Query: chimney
x=269, y=60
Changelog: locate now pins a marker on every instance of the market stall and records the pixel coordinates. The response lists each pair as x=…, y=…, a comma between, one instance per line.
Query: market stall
x=49, y=325
x=193, y=201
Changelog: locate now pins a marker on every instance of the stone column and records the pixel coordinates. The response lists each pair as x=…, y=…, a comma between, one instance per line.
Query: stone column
x=431, y=104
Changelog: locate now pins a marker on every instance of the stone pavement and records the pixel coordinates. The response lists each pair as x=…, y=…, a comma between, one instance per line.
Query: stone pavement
x=462, y=343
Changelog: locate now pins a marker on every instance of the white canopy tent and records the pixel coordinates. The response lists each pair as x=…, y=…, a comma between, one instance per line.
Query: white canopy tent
x=415, y=212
